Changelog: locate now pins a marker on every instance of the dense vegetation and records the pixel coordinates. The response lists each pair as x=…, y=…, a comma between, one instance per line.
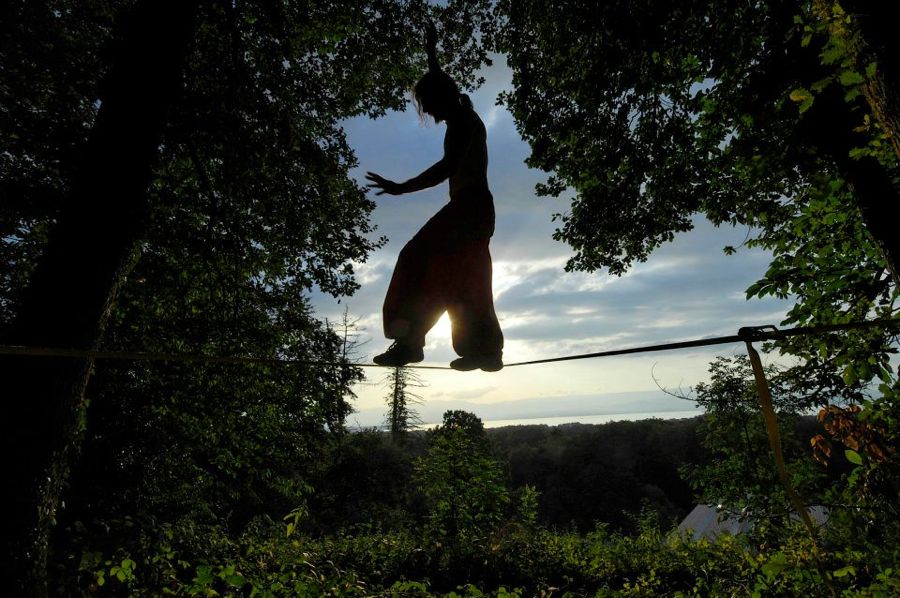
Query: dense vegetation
x=223, y=479
x=577, y=509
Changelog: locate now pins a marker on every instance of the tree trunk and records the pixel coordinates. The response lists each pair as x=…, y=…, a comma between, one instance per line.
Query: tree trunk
x=870, y=36
x=830, y=125
x=68, y=301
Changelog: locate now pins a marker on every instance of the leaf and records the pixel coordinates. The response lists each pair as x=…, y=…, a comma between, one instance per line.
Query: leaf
x=832, y=54
x=804, y=97
x=852, y=94
x=775, y=565
x=849, y=78
x=204, y=575
x=845, y=571
x=800, y=94
x=871, y=68
x=235, y=580
x=853, y=457
x=849, y=375
x=821, y=84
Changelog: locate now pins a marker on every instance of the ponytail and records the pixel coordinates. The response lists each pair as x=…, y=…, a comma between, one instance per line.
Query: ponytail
x=431, y=48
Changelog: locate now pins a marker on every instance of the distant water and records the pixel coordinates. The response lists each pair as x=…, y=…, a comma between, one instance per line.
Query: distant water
x=584, y=419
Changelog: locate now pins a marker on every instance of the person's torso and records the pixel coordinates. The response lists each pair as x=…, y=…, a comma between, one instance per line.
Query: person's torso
x=469, y=181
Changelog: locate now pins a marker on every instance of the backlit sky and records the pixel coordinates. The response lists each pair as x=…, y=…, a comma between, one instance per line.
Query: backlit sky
x=687, y=289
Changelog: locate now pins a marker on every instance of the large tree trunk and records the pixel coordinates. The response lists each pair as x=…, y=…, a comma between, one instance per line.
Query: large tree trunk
x=870, y=38
x=880, y=45
x=68, y=301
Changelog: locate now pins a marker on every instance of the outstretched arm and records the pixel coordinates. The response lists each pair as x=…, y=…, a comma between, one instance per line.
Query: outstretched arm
x=440, y=171
x=433, y=175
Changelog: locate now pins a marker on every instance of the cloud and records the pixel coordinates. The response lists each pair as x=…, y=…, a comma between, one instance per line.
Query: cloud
x=493, y=114
x=464, y=395
x=687, y=289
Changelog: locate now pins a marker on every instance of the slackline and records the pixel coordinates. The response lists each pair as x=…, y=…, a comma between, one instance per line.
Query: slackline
x=751, y=334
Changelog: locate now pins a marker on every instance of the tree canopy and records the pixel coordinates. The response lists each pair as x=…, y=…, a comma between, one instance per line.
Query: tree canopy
x=249, y=205
x=652, y=113
x=758, y=114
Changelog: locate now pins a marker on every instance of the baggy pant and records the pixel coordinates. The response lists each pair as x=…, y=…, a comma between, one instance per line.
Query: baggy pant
x=446, y=266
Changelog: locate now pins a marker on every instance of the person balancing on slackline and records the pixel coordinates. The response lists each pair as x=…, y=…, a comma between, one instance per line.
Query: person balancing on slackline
x=446, y=266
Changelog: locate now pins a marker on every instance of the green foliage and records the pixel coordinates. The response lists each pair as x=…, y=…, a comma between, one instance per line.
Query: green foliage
x=367, y=483
x=650, y=563
x=822, y=255
x=867, y=438
x=529, y=499
x=201, y=480
x=463, y=484
x=740, y=475
x=251, y=206
x=570, y=477
x=652, y=113
x=401, y=416
x=745, y=113
x=407, y=556
x=47, y=114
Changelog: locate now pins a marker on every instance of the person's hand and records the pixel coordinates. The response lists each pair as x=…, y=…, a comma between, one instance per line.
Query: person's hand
x=383, y=185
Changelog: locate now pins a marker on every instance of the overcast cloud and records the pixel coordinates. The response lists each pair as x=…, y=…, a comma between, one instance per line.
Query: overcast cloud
x=687, y=289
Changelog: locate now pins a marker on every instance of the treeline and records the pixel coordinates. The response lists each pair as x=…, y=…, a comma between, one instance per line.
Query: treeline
x=584, y=474
x=604, y=473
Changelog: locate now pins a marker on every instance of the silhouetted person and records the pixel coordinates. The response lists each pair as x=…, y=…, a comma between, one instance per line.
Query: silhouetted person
x=446, y=266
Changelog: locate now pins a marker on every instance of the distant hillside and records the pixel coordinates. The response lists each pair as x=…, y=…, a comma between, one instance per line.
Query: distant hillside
x=603, y=473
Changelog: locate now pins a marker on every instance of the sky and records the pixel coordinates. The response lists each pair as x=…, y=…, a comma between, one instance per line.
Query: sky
x=687, y=289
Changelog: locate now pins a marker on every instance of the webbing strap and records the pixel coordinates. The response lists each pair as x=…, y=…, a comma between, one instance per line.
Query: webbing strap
x=771, y=423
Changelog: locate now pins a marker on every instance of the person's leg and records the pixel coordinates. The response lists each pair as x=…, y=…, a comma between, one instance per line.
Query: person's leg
x=416, y=295
x=477, y=337
x=407, y=301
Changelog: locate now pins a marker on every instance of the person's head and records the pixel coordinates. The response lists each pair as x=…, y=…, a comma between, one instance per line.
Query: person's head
x=437, y=94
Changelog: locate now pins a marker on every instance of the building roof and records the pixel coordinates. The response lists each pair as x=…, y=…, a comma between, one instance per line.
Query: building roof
x=708, y=522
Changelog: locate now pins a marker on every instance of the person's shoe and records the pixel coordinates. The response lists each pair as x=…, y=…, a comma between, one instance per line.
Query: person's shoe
x=398, y=355
x=485, y=363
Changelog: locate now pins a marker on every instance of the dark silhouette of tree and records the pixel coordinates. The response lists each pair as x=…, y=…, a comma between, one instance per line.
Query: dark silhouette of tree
x=776, y=116
x=862, y=33
x=589, y=474
x=249, y=205
x=654, y=113
x=401, y=416
x=70, y=292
